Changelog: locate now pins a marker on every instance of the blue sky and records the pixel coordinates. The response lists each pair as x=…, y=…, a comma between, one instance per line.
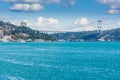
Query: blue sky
x=62, y=15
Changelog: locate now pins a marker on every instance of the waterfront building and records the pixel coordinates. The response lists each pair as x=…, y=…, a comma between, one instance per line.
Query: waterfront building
x=1, y=33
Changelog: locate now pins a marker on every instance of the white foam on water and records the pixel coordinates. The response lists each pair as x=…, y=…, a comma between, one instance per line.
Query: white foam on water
x=14, y=78
x=13, y=61
x=8, y=77
x=21, y=54
x=40, y=48
x=47, y=65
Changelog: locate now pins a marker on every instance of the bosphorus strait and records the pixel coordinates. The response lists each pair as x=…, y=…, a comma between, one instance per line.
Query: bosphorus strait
x=60, y=61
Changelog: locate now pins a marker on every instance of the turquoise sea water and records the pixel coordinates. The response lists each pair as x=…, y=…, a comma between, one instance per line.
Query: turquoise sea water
x=60, y=61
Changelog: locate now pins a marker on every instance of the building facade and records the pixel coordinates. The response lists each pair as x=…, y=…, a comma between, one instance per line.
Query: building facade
x=1, y=33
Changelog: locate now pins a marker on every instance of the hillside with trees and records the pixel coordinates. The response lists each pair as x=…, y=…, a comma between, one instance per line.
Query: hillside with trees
x=26, y=33
x=19, y=31
x=106, y=35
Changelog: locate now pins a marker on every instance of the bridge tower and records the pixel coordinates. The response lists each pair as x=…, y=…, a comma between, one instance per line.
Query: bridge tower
x=99, y=26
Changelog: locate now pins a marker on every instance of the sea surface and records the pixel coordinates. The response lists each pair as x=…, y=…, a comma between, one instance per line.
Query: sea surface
x=60, y=61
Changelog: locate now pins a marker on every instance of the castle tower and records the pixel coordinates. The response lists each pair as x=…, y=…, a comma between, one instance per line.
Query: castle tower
x=24, y=24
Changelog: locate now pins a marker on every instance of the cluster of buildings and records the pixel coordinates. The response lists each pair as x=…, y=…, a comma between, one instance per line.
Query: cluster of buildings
x=5, y=35
x=1, y=33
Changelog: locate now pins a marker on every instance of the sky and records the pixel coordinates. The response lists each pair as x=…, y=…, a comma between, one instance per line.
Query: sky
x=62, y=15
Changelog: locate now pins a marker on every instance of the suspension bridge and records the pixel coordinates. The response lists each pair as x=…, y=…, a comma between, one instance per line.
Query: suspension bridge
x=99, y=25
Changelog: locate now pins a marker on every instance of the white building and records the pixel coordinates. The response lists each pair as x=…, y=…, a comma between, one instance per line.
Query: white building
x=1, y=33
x=101, y=39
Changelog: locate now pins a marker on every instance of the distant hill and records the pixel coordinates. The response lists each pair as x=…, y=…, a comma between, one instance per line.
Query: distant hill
x=33, y=34
x=106, y=35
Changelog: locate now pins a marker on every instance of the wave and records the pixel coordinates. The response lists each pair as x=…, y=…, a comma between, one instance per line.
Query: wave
x=13, y=61
x=7, y=77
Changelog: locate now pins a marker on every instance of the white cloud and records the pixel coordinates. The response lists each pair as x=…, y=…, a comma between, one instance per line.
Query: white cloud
x=52, y=21
x=113, y=4
x=52, y=24
x=26, y=7
x=9, y=1
x=41, y=23
x=4, y=17
x=29, y=1
x=113, y=11
x=47, y=21
x=32, y=1
x=15, y=22
x=40, y=1
x=119, y=24
x=53, y=1
x=35, y=5
x=82, y=28
x=81, y=21
x=47, y=24
x=82, y=24
x=71, y=2
x=16, y=1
